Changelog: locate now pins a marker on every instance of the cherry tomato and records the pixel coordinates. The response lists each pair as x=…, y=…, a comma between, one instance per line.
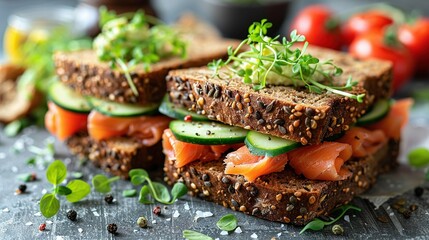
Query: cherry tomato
x=319, y=26
x=373, y=45
x=416, y=38
x=364, y=22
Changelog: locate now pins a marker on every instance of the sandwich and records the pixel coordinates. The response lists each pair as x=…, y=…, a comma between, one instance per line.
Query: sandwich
x=281, y=132
x=104, y=106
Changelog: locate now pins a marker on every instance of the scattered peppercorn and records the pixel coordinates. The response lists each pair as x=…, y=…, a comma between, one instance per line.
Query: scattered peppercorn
x=187, y=118
x=418, y=191
x=413, y=207
x=33, y=177
x=108, y=198
x=72, y=214
x=142, y=222
x=22, y=188
x=157, y=210
x=42, y=227
x=406, y=214
x=112, y=228
x=337, y=229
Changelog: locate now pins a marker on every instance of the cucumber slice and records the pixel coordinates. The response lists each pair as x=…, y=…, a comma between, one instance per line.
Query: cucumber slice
x=207, y=133
x=378, y=111
x=115, y=109
x=169, y=109
x=68, y=99
x=265, y=145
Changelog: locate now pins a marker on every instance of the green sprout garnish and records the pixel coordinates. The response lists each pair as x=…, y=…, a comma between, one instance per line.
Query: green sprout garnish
x=271, y=58
x=127, y=40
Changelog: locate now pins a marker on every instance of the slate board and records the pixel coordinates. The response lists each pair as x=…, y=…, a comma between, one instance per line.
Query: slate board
x=18, y=211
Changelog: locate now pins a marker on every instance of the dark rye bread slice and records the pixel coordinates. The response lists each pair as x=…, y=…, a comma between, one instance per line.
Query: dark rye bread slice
x=83, y=72
x=285, y=196
x=116, y=155
x=282, y=111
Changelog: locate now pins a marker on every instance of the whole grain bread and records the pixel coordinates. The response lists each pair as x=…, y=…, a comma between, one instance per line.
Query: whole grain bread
x=116, y=155
x=83, y=72
x=282, y=111
x=284, y=196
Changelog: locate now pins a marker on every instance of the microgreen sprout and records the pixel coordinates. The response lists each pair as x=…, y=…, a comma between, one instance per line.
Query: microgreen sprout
x=227, y=223
x=127, y=40
x=318, y=224
x=193, y=235
x=102, y=183
x=74, y=191
x=158, y=191
x=275, y=58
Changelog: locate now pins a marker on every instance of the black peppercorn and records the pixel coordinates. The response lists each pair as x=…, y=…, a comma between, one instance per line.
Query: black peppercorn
x=72, y=214
x=418, y=191
x=112, y=228
x=22, y=188
x=108, y=198
x=407, y=214
x=157, y=210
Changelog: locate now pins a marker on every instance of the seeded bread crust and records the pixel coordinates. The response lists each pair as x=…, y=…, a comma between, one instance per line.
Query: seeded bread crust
x=84, y=73
x=116, y=155
x=285, y=196
x=282, y=111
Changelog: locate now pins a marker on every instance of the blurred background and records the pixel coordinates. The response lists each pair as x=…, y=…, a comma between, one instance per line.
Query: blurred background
x=170, y=10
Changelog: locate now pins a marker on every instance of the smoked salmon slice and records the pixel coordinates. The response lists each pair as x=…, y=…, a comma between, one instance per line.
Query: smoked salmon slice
x=363, y=142
x=322, y=161
x=397, y=117
x=184, y=153
x=63, y=123
x=147, y=128
x=250, y=166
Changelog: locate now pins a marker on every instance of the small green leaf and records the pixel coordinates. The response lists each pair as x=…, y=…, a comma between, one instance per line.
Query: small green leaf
x=56, y=172
x=31, y=161
x=314, y=225
x=138, y=179
x=138, y=172
x=419, y=157
x=144, y=195
x=79, y=190
x=179, y=190
x=129, y=193
x=50, y=148
x=102, y=184
x=161, y=192
x=15, y=127
x=49, y=205
x=227, y=222
x=25, y=177
x=193, y=235
x=62, y=190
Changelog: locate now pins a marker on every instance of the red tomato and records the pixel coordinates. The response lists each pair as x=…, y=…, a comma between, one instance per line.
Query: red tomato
x=319, y=27
x=373, y=45
x=364, y=22
x=62, y=123
x=416, y=38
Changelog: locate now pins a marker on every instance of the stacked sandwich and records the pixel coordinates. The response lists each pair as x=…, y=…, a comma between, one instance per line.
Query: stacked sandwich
x=279, y=133
x=105, y=106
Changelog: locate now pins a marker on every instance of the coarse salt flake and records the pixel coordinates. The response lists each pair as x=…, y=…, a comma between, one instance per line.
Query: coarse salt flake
x=279, y=234
x=186, y=206
x=96, y=214
x=49, y=222
x=176, y=214
x=347, y=218
x=6, y=210
x=254, y=236
x=168, y=219
x=238, y=230
x=224, y=233
x=200, y=214
x=80, y=230
x=154, y=222
x=28, y=223
x=38, y=214
x=2, y=155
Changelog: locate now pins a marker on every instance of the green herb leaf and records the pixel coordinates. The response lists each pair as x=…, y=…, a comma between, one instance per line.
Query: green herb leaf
x=62, y=190
x=144, y=195
x=138, y=179
x=161, y=192
x=129, y=193
x=79, y=188
x=56, y=172
x=15, y=127
x=419, y=157
x=318, y=224
x=31, y=161
x=193, y=235
x=25, y=177
x=227, y=223
x=179, y=190
x=102, y=184
x=138, y=172
x=49, y=205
